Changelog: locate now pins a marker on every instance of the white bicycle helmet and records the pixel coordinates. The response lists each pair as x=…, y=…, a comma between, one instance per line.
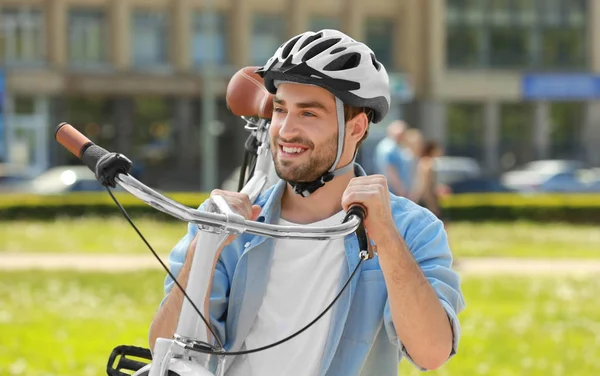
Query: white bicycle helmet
x=334, y=61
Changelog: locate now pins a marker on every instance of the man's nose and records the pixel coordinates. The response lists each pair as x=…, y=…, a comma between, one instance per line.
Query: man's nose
x=288, y=128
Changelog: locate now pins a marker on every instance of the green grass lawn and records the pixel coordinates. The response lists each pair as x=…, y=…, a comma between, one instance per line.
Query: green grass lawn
x=65, y=323
x=524, y=239
x=68, y=323
x=89, y=235
x=115, y=235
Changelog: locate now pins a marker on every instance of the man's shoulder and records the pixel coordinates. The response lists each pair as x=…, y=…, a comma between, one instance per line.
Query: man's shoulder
x=409, y=215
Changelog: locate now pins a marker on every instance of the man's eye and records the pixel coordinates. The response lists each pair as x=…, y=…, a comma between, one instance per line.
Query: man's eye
x=309, y=114
x=278, y=109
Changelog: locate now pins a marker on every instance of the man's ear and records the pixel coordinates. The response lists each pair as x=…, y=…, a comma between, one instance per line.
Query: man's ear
x=358, y=126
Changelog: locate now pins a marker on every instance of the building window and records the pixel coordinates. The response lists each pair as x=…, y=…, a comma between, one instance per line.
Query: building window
x=566, y=125
x=466, y=46
x=507, y=42
x=516, y=132
x=517, y=34
x=380, y=37
x=24, y=105
x=201, y=42
x=563, y=35
x=150, y=38
x=465, y=129
x=510, y=47
x=153, y=132
x=317, y=23
x=87, y=36
x=268, y=33
x=22, y=36
x=93, y=115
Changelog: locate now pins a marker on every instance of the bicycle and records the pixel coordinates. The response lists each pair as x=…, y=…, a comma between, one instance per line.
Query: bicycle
x=195, y=349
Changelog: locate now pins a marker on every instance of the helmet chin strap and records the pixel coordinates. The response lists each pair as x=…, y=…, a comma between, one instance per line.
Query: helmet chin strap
x=305, y=189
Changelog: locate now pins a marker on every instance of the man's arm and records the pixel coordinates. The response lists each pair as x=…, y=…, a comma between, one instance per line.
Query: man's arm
x=166, y=319
x=423, y=291
x=419, y=319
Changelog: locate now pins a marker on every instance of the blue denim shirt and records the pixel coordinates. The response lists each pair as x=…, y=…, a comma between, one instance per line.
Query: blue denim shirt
x=361, y=339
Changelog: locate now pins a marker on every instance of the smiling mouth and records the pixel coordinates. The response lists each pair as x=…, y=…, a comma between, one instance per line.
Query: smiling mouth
x=291, y=152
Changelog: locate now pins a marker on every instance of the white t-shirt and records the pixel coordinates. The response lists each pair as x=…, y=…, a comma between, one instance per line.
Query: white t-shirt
x=304, y=279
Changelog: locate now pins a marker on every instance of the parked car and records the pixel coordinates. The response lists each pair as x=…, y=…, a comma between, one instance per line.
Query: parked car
x=578, y=181
x=11, y=177
x=531, y=176
x=62, y=179
x=452, y=169
x=478, y=185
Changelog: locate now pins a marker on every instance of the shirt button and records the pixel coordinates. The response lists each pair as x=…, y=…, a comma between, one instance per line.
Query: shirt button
x=247, y=245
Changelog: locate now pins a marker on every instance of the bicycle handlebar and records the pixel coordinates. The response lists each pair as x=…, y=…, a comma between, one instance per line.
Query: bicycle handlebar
x=75, y=142
x=111, y=169
x=90, y=154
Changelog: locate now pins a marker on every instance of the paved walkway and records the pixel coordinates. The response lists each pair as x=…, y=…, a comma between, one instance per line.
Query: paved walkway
x=121, y=263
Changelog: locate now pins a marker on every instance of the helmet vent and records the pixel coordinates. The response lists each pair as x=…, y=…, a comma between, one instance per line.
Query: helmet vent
x=346, y=61
x=310, y=39
x=315, y=50
x=288, y=48
x=337, y=50
x=376, y=64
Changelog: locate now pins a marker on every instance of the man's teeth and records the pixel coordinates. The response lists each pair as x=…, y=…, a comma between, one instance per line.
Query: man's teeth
x=292, y=150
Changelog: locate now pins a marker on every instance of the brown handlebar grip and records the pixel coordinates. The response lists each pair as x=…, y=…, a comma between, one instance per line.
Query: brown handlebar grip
x=73, y=140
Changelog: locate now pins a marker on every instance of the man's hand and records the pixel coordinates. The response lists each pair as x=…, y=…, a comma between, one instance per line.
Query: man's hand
x=239, y=203
x=372, y=192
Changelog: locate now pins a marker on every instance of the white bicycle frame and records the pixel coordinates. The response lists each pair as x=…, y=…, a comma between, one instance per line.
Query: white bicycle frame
x=180, y=354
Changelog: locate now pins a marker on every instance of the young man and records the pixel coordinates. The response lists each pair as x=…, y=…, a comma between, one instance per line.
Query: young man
x=404, y=302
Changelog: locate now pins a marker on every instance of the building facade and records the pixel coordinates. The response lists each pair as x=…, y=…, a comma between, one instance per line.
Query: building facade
x=132, y=75
x=477, y=89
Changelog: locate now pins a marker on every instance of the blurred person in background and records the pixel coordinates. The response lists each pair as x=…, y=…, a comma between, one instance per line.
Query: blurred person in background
x=394, y=160
x=426, y=188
